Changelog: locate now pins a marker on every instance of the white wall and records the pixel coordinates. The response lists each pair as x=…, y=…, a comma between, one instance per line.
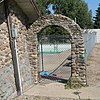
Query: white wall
x=97, y=35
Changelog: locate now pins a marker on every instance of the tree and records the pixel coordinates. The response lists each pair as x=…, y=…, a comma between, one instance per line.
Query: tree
x=54, y=31
x=71, y=8
x=83, y=16
x=97, y=18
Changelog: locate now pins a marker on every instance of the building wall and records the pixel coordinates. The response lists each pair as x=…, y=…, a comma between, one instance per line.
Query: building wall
x=7, y=80
x=20, y=20
x=97, y=35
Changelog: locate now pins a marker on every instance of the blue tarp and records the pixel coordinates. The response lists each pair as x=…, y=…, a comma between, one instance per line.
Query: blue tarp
x=44, y=73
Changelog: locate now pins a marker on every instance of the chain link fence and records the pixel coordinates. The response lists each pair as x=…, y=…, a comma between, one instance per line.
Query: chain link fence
x=89, y=42
x=54, y=52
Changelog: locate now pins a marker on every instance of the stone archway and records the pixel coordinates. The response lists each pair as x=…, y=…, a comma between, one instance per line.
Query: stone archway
x=78, y=69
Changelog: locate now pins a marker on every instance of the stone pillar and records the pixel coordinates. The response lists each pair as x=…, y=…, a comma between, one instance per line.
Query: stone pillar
x=82, y=65
x=78, y=69
x=35, y=59
x=74, y=66
x=74, y=80
x=33, y=54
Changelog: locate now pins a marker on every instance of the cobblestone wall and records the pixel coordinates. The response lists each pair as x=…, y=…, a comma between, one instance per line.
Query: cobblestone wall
x=78, y=69
x=7, y=80
x=27, y=46
x=20, y=21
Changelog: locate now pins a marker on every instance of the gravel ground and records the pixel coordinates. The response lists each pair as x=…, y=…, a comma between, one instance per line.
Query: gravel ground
x=53, y=61
x=93, y=68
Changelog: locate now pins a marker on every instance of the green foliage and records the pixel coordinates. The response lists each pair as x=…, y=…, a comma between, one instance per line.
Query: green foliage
x=42, y=4
x=97, y=18
x=84, y=17
x=71, y=8
x=74, y=83
x=54, y=30
x=54, y=33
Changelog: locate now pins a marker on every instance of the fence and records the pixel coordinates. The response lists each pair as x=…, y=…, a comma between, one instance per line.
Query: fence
x=54, y=50
x=89, y=41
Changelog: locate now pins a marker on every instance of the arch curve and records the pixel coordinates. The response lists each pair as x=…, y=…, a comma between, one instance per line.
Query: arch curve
x=78, y=68
x=58, y=20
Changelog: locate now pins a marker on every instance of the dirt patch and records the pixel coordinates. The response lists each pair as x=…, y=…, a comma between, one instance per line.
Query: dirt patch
x=93, y=68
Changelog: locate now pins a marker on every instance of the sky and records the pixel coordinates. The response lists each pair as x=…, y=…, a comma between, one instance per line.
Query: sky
x=93, y=5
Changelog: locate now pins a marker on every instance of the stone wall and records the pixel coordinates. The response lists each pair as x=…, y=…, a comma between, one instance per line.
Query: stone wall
x=27, y=48
x=7, y=80
x=20, y=21
x=78, y=69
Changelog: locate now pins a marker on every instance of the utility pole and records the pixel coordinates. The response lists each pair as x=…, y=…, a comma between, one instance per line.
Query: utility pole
x=42, y=55
x=12, y=42
x=15, y=61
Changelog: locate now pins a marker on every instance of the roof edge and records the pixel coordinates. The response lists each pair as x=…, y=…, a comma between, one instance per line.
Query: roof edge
x=36, y=8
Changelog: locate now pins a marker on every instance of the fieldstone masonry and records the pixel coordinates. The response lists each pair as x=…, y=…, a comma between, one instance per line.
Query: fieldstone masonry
x=78, y=69
x=27, y=47
x=20, y=20
x=7, y=80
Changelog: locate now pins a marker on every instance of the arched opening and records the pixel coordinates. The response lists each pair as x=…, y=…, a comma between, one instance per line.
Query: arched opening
x=78, y=67
x=54, y=54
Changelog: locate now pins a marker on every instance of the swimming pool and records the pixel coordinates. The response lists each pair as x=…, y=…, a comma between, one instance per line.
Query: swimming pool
x=54, y=48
